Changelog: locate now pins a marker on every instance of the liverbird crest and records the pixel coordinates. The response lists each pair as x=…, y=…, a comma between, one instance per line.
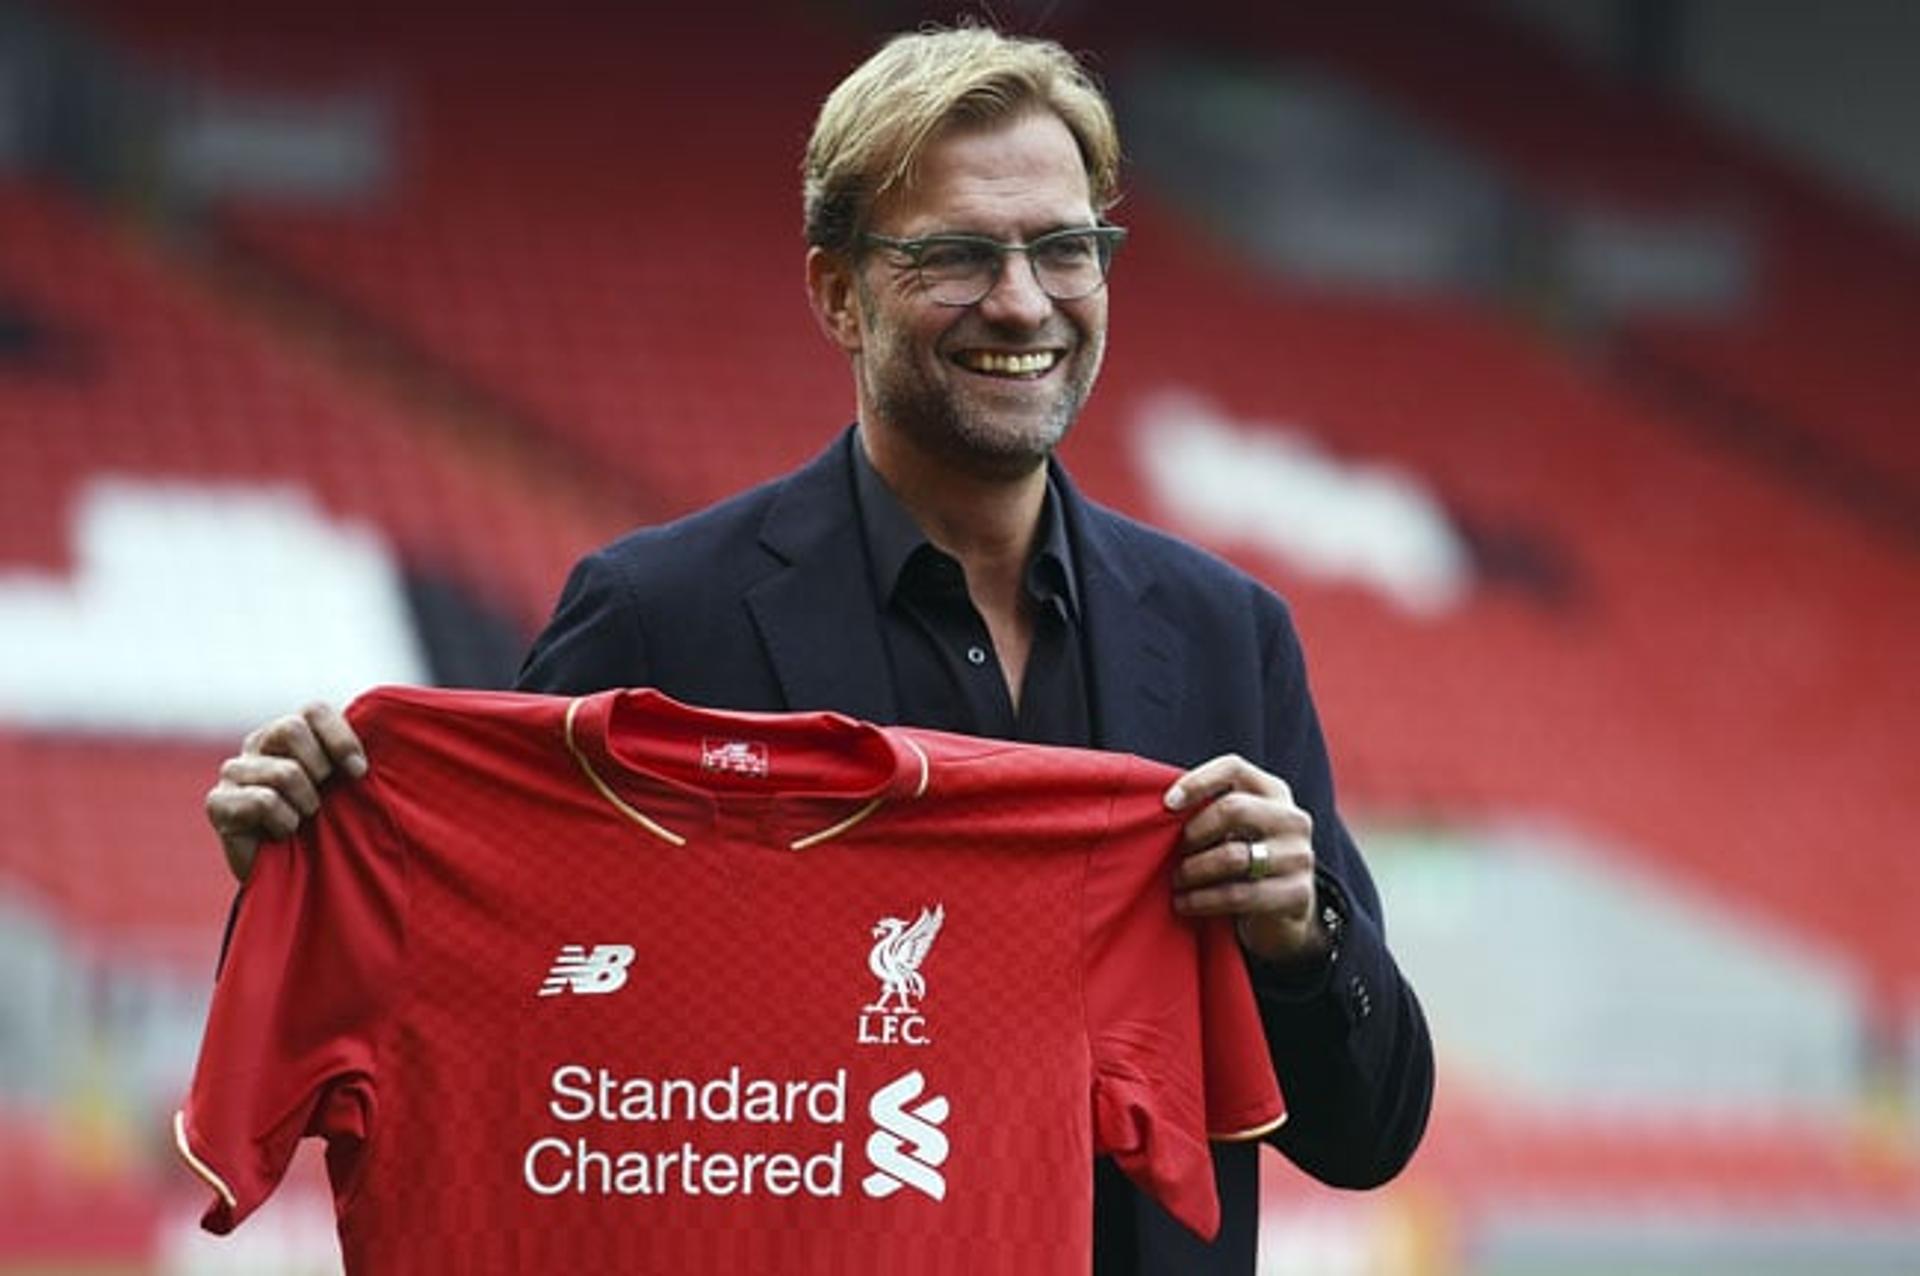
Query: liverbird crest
x=898, y=950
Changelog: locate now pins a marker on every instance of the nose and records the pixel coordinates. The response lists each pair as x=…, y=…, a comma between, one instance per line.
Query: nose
x=1016, y=299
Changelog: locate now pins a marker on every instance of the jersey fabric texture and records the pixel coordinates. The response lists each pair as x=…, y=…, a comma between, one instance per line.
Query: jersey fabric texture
x=618, y=984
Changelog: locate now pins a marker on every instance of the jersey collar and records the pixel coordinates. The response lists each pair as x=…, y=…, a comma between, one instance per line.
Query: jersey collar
x=796, y=779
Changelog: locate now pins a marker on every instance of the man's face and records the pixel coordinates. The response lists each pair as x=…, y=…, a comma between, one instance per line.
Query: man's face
x=990, y=388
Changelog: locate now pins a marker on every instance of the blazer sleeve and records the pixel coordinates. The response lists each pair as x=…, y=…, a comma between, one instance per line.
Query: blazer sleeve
x=593, y=640
x=1350, y=1043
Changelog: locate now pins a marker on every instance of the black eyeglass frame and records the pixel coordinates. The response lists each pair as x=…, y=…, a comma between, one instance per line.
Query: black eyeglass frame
x=1107, y=240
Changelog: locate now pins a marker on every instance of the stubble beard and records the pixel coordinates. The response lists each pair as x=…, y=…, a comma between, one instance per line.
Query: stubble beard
x=967, y=434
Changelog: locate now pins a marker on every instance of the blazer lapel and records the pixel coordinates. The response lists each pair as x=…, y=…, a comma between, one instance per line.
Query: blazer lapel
x=1137, y=657
x=816, y=618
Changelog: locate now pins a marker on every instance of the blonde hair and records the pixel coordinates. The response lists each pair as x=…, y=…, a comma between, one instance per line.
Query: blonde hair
x=875, y=125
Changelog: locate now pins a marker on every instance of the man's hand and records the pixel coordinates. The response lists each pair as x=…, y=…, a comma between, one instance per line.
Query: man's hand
x=1247, y=853
x=274, y=781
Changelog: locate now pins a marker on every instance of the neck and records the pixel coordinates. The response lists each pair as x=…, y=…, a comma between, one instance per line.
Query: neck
x=987, y=522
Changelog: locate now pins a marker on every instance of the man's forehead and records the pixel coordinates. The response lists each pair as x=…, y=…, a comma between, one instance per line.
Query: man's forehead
x=1024, y=169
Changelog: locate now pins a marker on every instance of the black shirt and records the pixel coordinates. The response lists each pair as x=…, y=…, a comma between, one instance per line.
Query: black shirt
x=944, y=671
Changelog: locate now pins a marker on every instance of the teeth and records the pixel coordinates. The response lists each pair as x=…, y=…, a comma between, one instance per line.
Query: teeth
x=1012, y=364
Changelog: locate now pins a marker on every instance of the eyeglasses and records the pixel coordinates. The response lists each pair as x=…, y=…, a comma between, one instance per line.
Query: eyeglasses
x=958, y=270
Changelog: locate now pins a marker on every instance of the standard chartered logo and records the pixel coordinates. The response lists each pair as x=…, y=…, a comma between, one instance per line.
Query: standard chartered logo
x=694, y=1146
x=908, y=1147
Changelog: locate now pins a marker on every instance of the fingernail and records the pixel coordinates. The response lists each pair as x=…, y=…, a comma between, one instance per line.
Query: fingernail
x=1176, y=798
x=356, y=765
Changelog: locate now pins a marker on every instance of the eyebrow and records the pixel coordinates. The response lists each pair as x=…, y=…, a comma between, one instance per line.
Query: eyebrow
x=981, y=235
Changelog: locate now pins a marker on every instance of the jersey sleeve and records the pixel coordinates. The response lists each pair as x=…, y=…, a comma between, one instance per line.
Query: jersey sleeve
x=289, y=1047
x=1179, y=1058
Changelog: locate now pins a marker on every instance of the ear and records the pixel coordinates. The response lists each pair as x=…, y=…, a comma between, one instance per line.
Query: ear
x=835, y=295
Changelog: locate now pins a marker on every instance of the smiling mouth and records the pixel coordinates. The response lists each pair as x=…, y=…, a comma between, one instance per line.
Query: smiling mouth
x=1025, y=365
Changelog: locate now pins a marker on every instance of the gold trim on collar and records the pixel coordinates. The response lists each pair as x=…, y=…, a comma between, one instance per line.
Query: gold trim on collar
x=835, y=830
x=638, y=817
x=668, y=835
x=814, y=839
x=926, y=767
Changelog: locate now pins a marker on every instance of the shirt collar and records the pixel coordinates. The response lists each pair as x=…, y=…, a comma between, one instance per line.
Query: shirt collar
x=892, y=537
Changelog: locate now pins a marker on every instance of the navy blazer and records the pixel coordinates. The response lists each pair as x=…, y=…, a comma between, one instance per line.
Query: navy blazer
x=764, y=602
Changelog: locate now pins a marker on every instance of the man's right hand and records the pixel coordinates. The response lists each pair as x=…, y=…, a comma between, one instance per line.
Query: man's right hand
x=274, y=781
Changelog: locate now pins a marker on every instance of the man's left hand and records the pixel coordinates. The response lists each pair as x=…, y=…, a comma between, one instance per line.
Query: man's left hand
x=1247, y=853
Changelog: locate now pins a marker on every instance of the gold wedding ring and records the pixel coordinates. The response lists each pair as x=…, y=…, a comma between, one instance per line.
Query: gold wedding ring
x=1259, y=861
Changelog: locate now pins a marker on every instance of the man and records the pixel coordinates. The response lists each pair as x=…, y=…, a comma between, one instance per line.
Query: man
x=935, y=566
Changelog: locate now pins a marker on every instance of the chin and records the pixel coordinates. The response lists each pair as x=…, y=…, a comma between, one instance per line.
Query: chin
x=1008, y=452
x=979, y=435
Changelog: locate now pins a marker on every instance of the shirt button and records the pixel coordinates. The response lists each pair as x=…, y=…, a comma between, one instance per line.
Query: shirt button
x=976, y=655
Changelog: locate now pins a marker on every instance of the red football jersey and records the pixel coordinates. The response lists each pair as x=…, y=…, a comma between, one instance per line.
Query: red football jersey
x=615, y=984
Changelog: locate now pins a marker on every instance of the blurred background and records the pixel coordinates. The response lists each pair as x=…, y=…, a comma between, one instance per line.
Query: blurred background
x=1556, y=358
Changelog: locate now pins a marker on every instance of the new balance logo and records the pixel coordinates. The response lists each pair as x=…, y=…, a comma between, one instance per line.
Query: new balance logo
x=908, y=1147
x=588, y=973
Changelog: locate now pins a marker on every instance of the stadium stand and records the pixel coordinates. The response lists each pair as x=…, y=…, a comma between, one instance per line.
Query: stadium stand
x=159, y=381
x=1818, y=343
x=541, y=247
